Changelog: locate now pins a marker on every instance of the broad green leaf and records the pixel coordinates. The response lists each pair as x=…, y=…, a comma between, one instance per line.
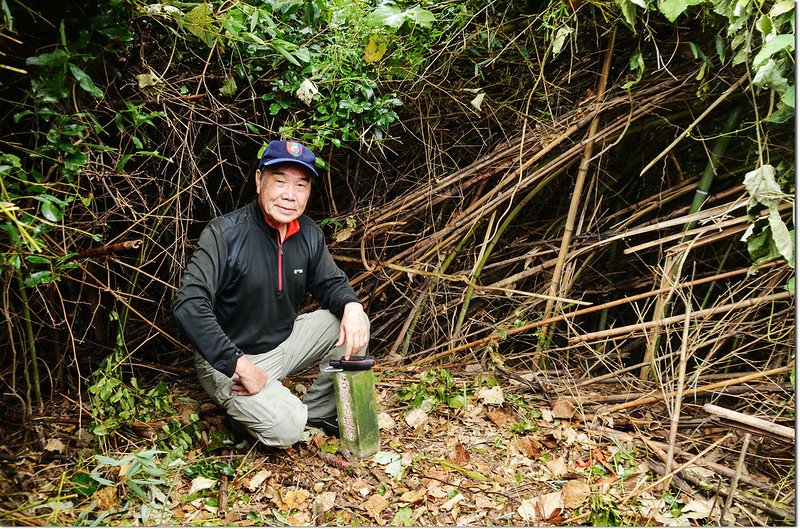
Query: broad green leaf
x=55, y=58
x=628, y=9
x=770, y=76
x=283, y=51
x=199, y=22
x=375, y=49
x=42, y=277
x=456, y=402
x=784, y=241
x=636, y=63
x=393, y=17
x=228, y=87
x=51, y=211
x=37, y=259
x=784, y=6
x=85, y=81
x=776, y=44
x=84, y=484
x=672, y=9
x=788, y=97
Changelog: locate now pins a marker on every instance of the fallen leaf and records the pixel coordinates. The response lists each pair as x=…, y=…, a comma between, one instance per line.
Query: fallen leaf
x=527, y=510
x=528, y=446
x=500, y=418
x=452, y=502
x=482, y=502
x=413, y=496
x=563, y=409
x=697, y=509
x=548, y=504
x=325, y=502
x=375, y=505
x=459, y=454
x=385, y=421
x=344, y=234
x=295, y=497
x=557, y=467
x=257, y=480
x=436, y=490
x=200, y=483
x=298, y=519
x=492, y=395
x=106, y=497
x=469, y=519
x=54, y=445
x=403, y=518
x=547, y=415
x=416, y=417
x=574, y=493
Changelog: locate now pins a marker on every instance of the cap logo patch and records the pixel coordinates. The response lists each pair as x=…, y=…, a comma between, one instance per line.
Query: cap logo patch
x=294, y=148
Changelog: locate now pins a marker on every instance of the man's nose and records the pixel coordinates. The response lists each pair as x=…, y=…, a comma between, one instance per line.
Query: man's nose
x=289, y=193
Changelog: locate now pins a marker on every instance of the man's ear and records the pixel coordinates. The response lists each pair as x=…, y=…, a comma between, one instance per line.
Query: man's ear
x=258, y=181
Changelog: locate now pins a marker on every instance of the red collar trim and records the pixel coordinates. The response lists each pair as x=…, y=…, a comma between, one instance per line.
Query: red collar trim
x=291, y=228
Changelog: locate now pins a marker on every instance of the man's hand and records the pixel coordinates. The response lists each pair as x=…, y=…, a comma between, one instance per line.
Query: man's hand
x=248, y=379
x=354, y=331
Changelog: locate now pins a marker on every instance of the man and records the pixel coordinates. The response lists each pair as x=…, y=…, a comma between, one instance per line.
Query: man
x=240, y=296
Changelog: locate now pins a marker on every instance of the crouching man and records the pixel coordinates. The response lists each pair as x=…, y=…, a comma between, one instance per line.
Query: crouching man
x=239, y=299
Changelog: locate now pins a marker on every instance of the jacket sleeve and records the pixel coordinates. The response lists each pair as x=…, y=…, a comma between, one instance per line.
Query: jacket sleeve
x=193, y=308
x=329, y=284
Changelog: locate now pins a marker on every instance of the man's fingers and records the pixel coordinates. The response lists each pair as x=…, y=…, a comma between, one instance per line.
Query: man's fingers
x=342, y=335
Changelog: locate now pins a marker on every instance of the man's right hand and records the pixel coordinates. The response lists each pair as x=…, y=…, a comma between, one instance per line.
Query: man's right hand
x=248, y=379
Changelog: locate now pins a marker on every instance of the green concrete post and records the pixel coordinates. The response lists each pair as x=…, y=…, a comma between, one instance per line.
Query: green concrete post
x=357, y=411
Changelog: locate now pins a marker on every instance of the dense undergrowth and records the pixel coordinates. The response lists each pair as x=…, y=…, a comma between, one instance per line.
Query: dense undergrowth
x=452, y=136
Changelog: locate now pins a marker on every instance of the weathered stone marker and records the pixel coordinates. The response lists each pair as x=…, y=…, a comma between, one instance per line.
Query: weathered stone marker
x=356, y=407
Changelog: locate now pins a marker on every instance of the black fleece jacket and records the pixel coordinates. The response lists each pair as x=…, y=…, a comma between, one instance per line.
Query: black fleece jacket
x=240, y=294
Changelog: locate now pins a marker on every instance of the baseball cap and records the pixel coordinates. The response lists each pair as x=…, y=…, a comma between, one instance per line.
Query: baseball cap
x=288, y=152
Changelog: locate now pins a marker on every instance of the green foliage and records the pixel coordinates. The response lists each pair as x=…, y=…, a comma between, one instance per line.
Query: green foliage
x=115, y=404
x=137, y=477
x=605, y=512
x=316, y=64
x=768, y=237
x=436, y=386
x=761, y=35
x=211, y=469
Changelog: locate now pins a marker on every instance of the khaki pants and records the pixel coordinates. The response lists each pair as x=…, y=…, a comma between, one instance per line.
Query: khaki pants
x=275, y=416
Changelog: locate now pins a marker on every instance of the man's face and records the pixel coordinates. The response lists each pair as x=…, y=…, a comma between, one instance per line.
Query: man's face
x=283, y=192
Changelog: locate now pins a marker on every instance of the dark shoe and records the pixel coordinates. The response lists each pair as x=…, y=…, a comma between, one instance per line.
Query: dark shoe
x=329, y=425
x=240, y=433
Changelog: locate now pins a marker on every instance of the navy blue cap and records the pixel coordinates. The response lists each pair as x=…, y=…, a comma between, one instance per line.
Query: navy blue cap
x=288, y=152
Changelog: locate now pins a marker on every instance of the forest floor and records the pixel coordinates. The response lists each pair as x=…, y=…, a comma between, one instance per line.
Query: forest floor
x=504, y=455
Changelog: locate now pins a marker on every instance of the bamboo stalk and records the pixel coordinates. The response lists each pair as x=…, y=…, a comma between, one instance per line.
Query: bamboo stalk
x=736, y=477
x=581, y=312
x=556, y=285
x=659, y=446
x=695, y=391
x=776, y=429
x=676, y=412
x=643, y=326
